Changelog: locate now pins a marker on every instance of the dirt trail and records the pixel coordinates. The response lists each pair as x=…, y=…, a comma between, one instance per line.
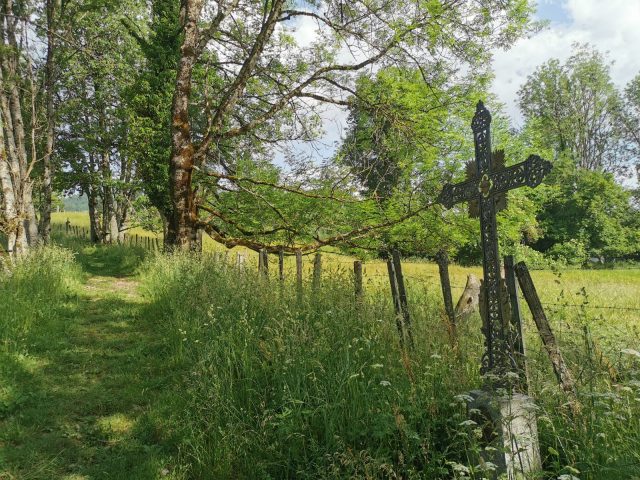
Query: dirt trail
x=89, y=387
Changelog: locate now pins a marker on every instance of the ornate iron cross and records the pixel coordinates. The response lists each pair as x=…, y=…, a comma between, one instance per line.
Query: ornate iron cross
x=489, y=183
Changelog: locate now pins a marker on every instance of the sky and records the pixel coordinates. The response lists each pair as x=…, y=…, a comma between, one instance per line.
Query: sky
x=611, y=26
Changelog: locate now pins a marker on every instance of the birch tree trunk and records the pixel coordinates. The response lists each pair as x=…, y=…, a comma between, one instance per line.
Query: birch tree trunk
x=19, y=219
x=9, y=215
x=49, y=95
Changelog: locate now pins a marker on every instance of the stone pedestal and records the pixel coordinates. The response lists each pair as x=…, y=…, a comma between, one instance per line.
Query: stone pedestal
x=509, y=426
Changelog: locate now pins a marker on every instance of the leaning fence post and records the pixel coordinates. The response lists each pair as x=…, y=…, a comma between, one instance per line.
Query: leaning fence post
x=516, y=321
x=263, y=262
x=317, y=271
x=357, y=279
x=406, y=318
x=395, y=298
x=445, y=282
x=563, y=374
x=281, y=265
x=299, y=274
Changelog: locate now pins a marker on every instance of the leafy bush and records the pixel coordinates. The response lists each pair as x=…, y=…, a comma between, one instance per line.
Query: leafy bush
x=572, y=252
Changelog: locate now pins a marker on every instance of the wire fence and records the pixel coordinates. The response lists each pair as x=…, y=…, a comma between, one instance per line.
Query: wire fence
x=153, y=243
x=132, y=239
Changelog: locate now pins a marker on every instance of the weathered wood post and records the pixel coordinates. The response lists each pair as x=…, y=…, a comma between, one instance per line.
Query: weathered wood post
x=562, y=372
x=157, y=244
x=299, y=274
x=67, y=225
x=442, y=260
x=239, y=260
x=281, y=265
x=518, y=341
x=263, y=263
x=199, y=240
x=395, y=297
x=317, y=272
x=136, y=239
x=357, y=280
x=402, y=293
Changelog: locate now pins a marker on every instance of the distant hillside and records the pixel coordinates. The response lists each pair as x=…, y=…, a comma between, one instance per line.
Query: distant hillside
x=75, y=204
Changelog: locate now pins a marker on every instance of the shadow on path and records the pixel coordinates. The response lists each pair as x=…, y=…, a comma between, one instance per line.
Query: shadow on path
x=86, y=397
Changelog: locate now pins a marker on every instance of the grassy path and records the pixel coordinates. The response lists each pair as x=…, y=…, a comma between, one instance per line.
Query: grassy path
x=88, y=391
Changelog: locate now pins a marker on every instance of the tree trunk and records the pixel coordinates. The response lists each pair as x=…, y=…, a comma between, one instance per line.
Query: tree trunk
x=182, y=223
x=31, y=222
x=94, y=220
x=47, y=166
x=9, y=215
x=18, y=209
x=109, y=220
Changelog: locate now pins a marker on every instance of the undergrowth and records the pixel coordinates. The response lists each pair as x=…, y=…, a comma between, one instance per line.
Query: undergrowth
x=278, y=386
x=260, y=380
x=32, y=293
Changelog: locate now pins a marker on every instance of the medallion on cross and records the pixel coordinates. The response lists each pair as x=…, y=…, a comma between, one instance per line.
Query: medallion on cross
x=485, y=185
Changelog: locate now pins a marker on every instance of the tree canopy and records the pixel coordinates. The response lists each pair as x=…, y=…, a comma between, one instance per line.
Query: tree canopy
x=189, y=116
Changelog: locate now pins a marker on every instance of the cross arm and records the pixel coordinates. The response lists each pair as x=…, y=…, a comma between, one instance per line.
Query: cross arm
x=529, y=173
x=460, y=192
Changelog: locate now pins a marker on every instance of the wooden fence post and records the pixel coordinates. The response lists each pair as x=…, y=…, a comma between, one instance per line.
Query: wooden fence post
x=404, y=305
x=518, y=346
x=445, y=282
x=263, y=262
x=393, y=283
x=299, y=274
x=357, y=280
x=281, y=265
x=563, y=374
x=317, y=271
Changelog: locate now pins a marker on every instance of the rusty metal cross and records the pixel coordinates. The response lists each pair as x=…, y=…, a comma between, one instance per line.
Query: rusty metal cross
x=490, y=182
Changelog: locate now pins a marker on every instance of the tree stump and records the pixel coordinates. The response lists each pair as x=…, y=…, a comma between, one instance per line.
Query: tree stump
x=469, y=301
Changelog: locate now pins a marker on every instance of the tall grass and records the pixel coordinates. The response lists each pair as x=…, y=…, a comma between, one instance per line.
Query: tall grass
x=32, y=292
x=318, y=388
x=274, y=386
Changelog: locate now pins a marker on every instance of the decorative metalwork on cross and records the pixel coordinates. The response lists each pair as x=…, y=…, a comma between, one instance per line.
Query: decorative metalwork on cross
x=490, y=183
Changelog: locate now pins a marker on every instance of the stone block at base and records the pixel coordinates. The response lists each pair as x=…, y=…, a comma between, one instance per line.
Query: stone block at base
x=509, y=426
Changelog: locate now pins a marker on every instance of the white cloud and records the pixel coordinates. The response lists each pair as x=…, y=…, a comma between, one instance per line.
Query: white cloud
x=306, y=31
x=611, y=26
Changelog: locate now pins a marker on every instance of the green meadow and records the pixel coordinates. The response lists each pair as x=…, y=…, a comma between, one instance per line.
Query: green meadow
x=122, y=363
